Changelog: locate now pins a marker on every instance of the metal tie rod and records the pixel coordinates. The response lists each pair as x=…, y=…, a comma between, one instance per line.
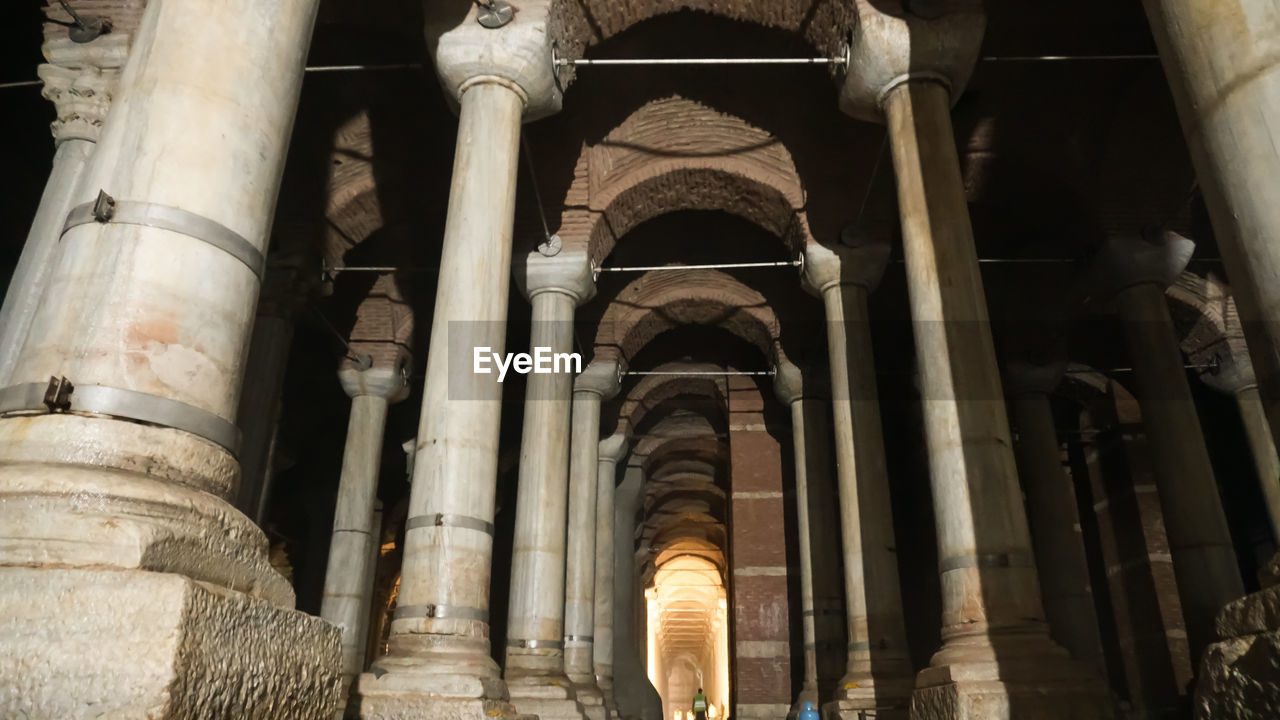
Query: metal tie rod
x=615, y=62
x=716, y=266
x=702, y=373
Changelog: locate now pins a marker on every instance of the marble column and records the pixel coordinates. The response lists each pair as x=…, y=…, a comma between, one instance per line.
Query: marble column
x=599, y=382
x=258, y=413
x=1135, y=272
x=1235, y=377
x=347, y=581
x=144, y=322
x=805, y=395
x=1053, y=514
x=997, y=660
x=611, y=451
x=635, y=694
x=438, y=662
x=535, y=671
x=878, y=673
x=79, y=79
x=1219, y=57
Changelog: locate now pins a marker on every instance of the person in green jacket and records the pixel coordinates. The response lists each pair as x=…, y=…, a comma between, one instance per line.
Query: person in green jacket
x=700, y=706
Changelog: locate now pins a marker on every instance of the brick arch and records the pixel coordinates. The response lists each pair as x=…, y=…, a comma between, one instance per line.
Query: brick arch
x=580, y=24
x=651, y=393
x=660, y=301
x=353, y=212
x=674, y=154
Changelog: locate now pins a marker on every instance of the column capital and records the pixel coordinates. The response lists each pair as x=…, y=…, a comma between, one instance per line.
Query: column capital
x=1025, y=378
x=897, y=41
x=1233, y=374
x=1125, y=261
x=615, y=447
x=829, y=265
x=602, y=377
x=791, y=383
x=567, y=271
x=386, y=381
x=517, y=54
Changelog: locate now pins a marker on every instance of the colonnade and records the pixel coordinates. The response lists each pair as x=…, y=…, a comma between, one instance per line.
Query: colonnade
x=164, y=269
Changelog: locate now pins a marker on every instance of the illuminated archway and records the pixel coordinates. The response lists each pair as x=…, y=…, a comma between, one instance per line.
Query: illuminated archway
x=688, y=630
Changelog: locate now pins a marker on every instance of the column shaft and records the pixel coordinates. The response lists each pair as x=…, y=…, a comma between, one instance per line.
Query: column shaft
x=536, y=618
x=1221, y=64
x=1055, y=531
x=878, y=673
x=31, y=274
x=1199, y=540
x=346, y=592
x=580, y=559
x=975, y=492
x=1254, y=416
x=534, y=667
x=809, y=690
x=606, y=476
x=996, y=659
x=258, y=414
x=439, y=646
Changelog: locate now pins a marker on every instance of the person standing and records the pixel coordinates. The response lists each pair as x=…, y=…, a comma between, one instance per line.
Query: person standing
x=700, y=706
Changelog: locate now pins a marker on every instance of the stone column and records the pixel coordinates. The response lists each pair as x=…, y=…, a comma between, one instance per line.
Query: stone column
x=1136, y=272
x=636, y=696
x=1235, y=377
x=1053, y=514
x=144, y=321
x=1219, y=57
x=805, y=396
x=611, y=451
x=347, y=588
x=1150, y=632
x=997, y=660
x=878, y=673
x=535, y=670
x=438, y=663
x=79, y=79
x=599, y=382
x=258, y=413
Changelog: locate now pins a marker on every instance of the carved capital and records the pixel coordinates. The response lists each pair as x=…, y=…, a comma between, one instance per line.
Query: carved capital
x=829, y=265
x=602, y=377
x=1130, y=260
x=792, y=383
x=615, y=447
x=384, y=381
x=896, y=42
x=519, y=52
x=568, y=271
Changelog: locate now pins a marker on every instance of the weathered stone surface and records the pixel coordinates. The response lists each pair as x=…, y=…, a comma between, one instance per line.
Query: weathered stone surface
x=994, y=700
x=102, y=643
x=1240, y=677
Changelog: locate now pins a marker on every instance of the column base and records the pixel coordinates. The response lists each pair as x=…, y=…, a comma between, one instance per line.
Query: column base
x=592, y=701
x=550, y=697
x=132, y=643
x=854, y=710
x=807, y=694
x=860, y=692
x=1240, y=674
x=420, y=683
x=1022, y=676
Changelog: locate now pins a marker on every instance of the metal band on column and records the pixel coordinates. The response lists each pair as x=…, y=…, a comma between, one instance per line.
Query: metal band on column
x=60, y=395
x=109, y=210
